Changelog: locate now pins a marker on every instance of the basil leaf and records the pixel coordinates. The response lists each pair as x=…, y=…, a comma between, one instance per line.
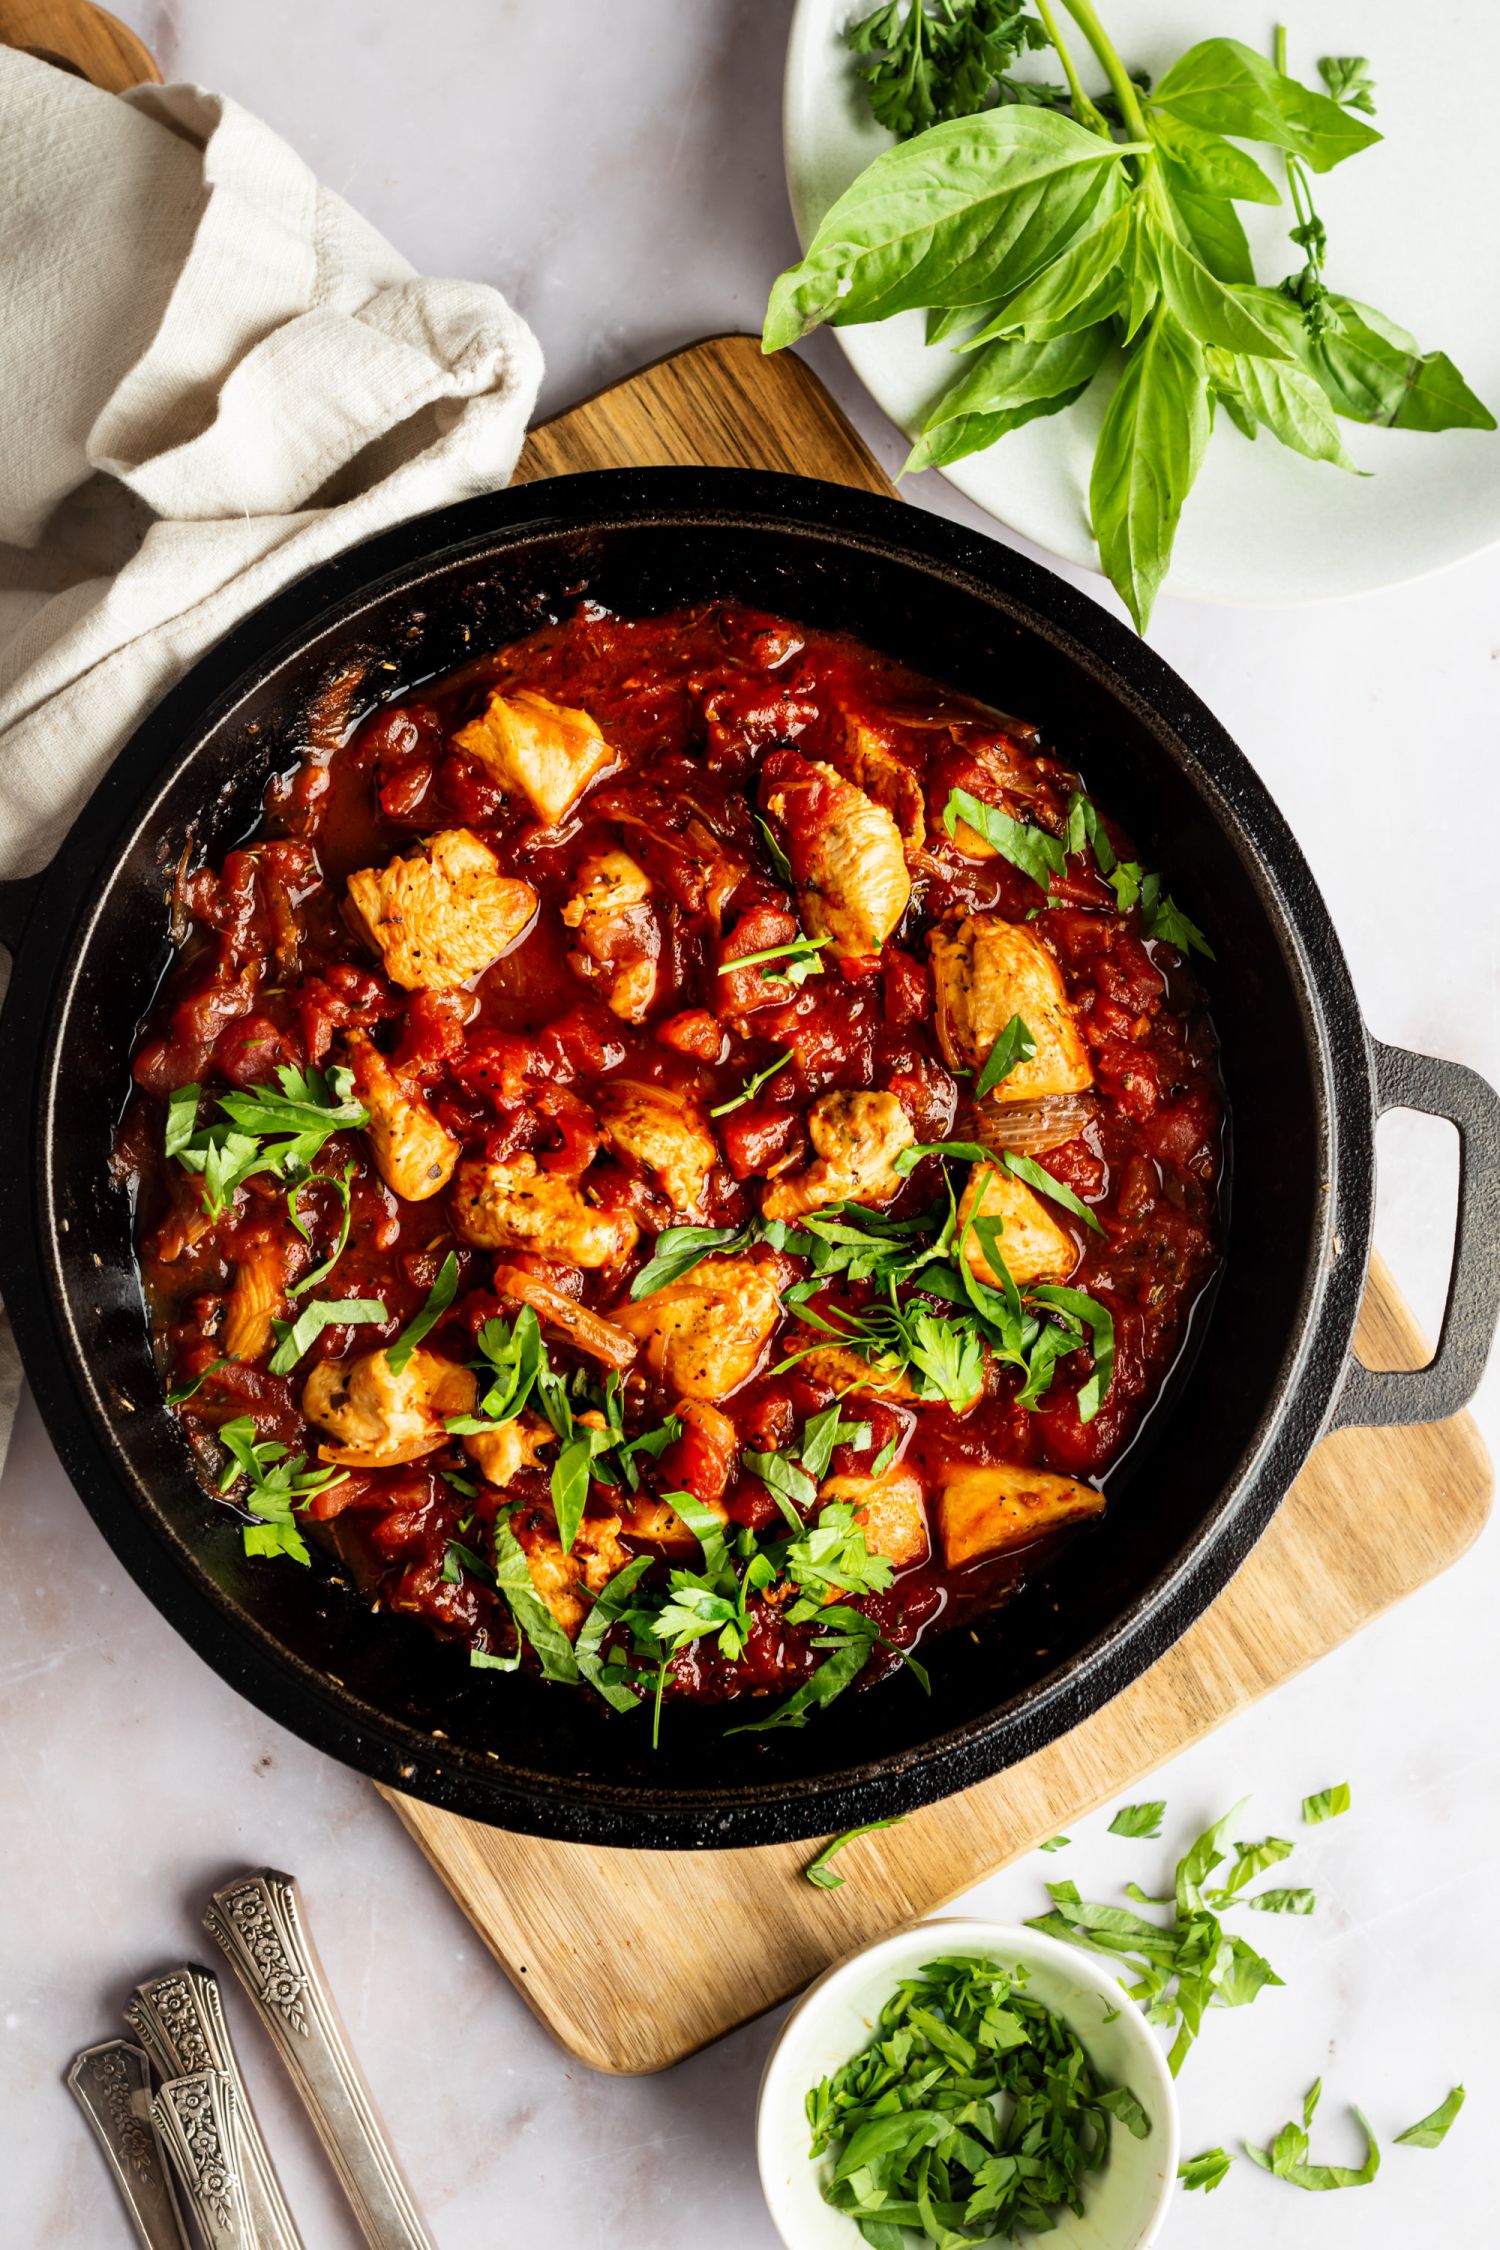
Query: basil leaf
x=1327, y=1804
x=1097, y=1319
x=1223, y=86
x=774, y=852
x=180, y=1396
x=1284, y=1902
x=1014, y=1046
x=1055, y=1844
x=485, y=1660
x=1033, y=850
x=885, y=1457
x=1211, y=165
x=1068, y=282
x=974, y=1152
x=820, y=1871
x=960, y=217
x=1373, y=371
x=1162, y=918
x=789, y=1485
x=1212, y=228
x=1430, y=2131
x=707, y=1527
x=294, y=1337
x=822, y=1432
x=1122, y=2103
x=1007, y=384
x=1150, y=450
x=1026, y=1168
x=534, y=1620
x=1139, y=1820
x=678, y=1250
x=182, y=1119
x=570, y=1486
x=1287, y=402
x=833, y=1675
x=1086, y=829
x=1204, y=307
x=340, y=1183
x=1205, y=2171
x=1287, y=2158
x=609, y=1605
x=439, y=1297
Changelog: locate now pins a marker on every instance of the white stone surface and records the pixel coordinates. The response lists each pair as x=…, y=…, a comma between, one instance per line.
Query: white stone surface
x=615, y=165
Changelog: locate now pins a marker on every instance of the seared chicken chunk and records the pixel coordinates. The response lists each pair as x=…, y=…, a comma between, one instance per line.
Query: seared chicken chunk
x=413, y=1153
x=619, y=939
x=517, y=1206
x=858, y=1138
x=988, y=970
x=888, y=1510
x=509, y=1446
x=537, y=749
x=441, y=915
x=381, y=1418
x=837, y=1364
x=869, y=759
x=667, y=1133
x=846, y=856
x=257, y=1296
x=982, y=1512
x=656, y=1524
x=705, y=1335
x=1033, y=1245
x=566, y=1582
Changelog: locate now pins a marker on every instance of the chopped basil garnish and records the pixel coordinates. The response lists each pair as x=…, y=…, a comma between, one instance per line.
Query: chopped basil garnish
x=1287, y=2155
x=1139, y=1820
x=185, y=1391
x=1014, y=1046
x=750, y=1089
x=679, y=1249
x=439, y=1297
x=1055, y=1844
x=534, y=1620
x=1430, y=2131
x=1205, y=2171
x=1327, y=1804
x=1035, y=1176
x=339, y=1182
x=294, y=1337
x=1032, y=850
x=821, y=1873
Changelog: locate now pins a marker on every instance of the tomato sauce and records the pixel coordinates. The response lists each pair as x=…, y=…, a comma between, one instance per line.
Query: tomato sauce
x=714, y=717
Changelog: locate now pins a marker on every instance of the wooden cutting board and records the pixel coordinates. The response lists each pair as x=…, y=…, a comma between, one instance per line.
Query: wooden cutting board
x=634, y=1959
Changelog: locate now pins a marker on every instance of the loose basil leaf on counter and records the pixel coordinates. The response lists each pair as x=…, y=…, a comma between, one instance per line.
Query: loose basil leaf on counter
x=1055, y=1844
x=1284, y=1902
x=186, y=1391
x=295, y=1336
x=1429, y=2131
x=1250, y=1860
x=679, y=1249
x=1032, y=850
x=1287, y=2158
x=1205, y=2171
x=821, y=1873
x=534, y=1620
x=1036, y=1176
x=1014, y=1046
x=1139, y=1820
x=439, y=1297
x=339, y=1182
x=1327, y=1804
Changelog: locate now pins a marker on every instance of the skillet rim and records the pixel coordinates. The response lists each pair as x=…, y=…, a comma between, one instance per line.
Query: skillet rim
x=1033, y=598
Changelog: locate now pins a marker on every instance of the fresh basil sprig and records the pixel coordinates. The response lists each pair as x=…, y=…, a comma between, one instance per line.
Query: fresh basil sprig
x=1046, y=248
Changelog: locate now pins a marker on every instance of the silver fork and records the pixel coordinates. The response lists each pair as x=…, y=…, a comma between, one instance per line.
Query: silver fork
x=111, y=2083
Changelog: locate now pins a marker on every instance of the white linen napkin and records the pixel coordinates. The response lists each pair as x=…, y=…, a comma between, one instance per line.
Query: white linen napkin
x=213, y=375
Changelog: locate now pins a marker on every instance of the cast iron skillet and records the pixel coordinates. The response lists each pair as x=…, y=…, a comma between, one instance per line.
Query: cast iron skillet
x=1271, y=1366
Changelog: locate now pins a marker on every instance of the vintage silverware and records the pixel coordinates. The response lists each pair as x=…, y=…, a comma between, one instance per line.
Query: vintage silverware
x=112, y=2085
x=259, y=1923
x=198, y=2119
x=179, y=2019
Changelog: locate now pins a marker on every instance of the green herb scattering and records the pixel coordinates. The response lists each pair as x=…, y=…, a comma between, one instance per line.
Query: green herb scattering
x=973, y=2113
x=1287, y=2156
x=277, y=1483
x=822, y=1873
x=1205, y=2171
x=1430, y=2131
x=1053, y=237
x=1327, y=1804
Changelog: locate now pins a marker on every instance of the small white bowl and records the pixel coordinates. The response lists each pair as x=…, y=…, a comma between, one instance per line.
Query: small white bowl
x=1124, y=2204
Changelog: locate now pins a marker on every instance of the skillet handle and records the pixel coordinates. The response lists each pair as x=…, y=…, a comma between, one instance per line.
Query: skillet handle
x=1374, y=1398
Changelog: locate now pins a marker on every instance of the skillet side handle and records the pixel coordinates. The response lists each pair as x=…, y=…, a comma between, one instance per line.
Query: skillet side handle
x=1378, y=1398
x=15, y=909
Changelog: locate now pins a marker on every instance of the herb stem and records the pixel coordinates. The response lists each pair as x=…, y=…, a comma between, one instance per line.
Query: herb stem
x=1083, y=109
x=1122, y=85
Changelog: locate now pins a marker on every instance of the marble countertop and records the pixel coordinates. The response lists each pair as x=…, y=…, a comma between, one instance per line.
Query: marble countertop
x=617, y=171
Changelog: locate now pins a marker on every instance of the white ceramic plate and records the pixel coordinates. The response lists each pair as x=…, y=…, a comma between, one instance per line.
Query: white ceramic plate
x=1413, y=228
x=1126, y=2201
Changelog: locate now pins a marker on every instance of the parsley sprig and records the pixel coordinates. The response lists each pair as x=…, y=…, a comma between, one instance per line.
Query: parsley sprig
x=264, y=1130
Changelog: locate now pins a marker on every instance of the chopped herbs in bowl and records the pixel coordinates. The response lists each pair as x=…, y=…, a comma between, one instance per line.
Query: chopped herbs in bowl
x=966, y=2083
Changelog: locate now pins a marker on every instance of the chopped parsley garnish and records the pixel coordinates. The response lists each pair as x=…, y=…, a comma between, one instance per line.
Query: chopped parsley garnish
x=1431, y=2130
x=798, y=958
x=1139, y=1820
x=822, y=1874
x=1327, y=1804
x=294, y=1337
x=972, y=2112
x=1287, y=2155
x=1014, y=1046
x=1032, y=850
x=439, y=1297
x=266, y=1130
x=513, y=1356
x=750, y=1089
x=278, y=1482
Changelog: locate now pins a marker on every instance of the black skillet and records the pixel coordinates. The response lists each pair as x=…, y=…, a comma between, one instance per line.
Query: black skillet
x=1270, y=1368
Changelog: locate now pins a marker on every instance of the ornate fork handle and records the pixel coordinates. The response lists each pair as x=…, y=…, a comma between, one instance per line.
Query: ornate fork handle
x=198, y=2117
x=259, y=1923
x=179, y=2019
x=112, y=2085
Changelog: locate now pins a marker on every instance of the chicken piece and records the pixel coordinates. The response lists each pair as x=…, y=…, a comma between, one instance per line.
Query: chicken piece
x=858, y=1138
x=543, y=751
x=509, y=1446
x=413, y=1153
x=1033, y=1245
x=988, y=970
x=380, y=1418
x=563, y=1580
x=837, y=1364
x=705, y=1335
x=846, y=857
x=619, y=938
x=890, y=1513
x=657, y=1525
x=667, y=1133
x=983, y=1512
x=517, y=1206
x=442, y=915
x=869, y=760
x=257, y=1296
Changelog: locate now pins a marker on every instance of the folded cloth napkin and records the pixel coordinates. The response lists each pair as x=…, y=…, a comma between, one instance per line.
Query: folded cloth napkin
x=213, y=375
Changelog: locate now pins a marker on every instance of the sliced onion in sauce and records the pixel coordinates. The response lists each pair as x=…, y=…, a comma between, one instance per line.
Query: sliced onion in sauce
x=1030, y=1127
